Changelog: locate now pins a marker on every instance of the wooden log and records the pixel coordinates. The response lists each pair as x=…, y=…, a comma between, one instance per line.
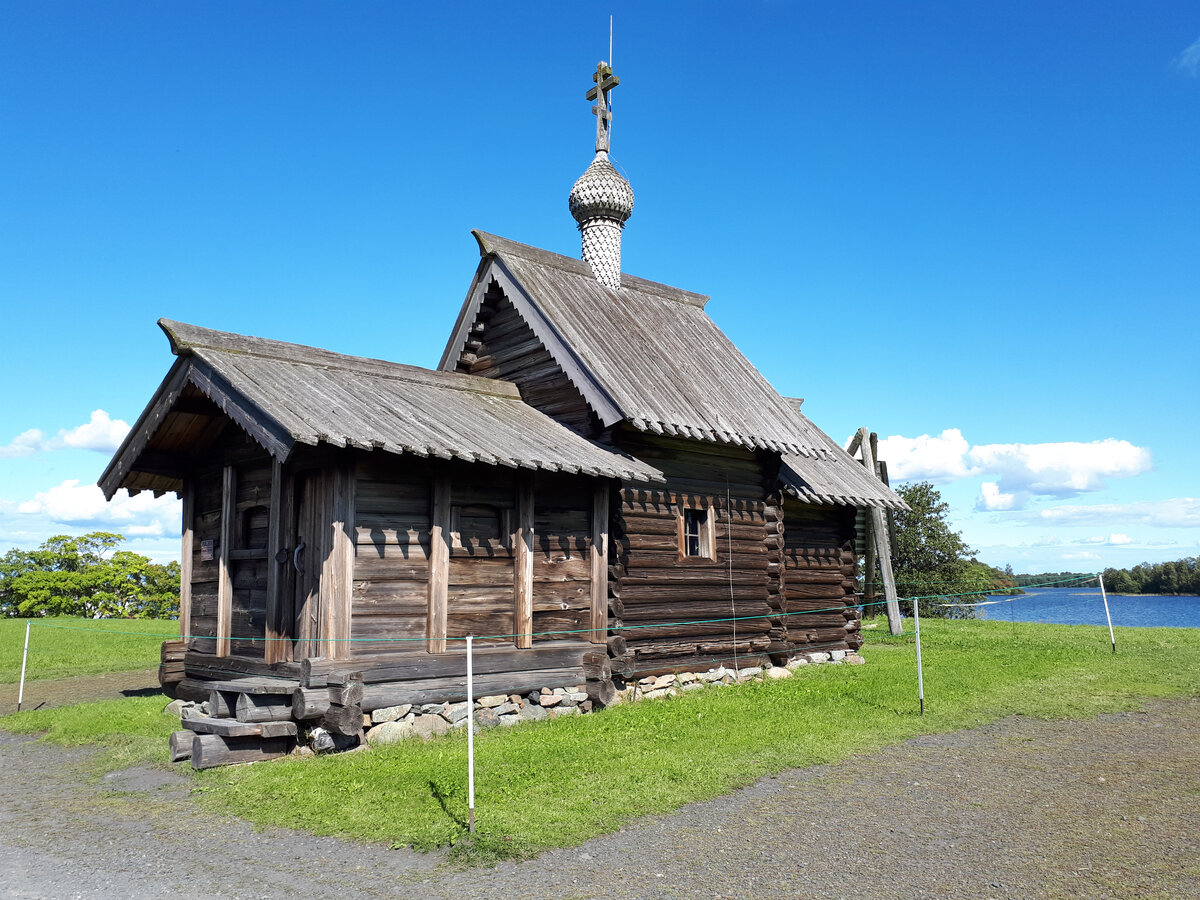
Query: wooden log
x=637, y=636
x=210, y=750
x=349, y=694
x=222, y=703
x=602, y=692
x=454, y=688
x=262, y=708
x=180, y=745
x=192, y=689
x=596, y=665
x=418, y=664
x=695, y=610
x=617, y=645
x=234, y=728
x=347, y=720
x=309, y=703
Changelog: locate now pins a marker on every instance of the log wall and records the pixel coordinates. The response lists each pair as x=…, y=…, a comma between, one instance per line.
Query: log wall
x=391, y=564
x=561, y=566
x=654, y=587
x=819, y=577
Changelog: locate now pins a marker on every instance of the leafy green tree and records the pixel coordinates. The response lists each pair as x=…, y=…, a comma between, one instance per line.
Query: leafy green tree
x=86, y=576
x=930, y=558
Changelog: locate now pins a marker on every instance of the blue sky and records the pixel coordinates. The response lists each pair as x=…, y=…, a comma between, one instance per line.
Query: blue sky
x=974, y=228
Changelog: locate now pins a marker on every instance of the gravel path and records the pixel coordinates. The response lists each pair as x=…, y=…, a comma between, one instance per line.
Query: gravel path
x=1104, y=808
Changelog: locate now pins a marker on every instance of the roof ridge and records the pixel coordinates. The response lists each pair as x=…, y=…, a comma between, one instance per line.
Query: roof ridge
x=492, y=244
x=186, y=339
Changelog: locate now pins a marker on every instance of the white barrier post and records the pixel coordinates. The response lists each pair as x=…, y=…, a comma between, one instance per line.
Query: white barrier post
x=24, y=659
x=1103, y=596
x=470, y=741
x=920, y=672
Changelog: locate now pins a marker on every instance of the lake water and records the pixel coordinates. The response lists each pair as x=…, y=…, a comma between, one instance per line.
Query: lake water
x=1083, y=606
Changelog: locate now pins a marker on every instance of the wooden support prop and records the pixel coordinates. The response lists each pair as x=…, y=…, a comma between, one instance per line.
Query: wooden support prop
x=224, y=573
x=598, y=556
x=263, y=708
x=185, y=564
x=210, y=750
x=180, y=745
x=879, y=530
x=439, y=564
x=523, y=564
x=278, y=559
x=346, y=720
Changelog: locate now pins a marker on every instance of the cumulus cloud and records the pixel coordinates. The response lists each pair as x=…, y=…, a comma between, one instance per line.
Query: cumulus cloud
x=926, y=458
x=100, y=433
x=1179, y=512
x=993, y=500
x=1188, y=62
x=71, y=503
x=1062, y=469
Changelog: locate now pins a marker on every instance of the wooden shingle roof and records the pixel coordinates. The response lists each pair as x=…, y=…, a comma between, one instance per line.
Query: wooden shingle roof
x=648, y=354
x=831, y=476
x=287, y=394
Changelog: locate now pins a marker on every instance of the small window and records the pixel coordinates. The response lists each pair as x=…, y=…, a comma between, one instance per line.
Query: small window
x=697, y=533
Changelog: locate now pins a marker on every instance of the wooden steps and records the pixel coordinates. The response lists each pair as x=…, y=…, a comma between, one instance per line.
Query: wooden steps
x=250, y=720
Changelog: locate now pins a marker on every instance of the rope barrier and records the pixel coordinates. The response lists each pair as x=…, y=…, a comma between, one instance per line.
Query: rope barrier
x=733, y=619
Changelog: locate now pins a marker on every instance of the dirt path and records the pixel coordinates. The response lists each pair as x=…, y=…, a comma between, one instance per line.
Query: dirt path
x=1105, y=808
x=82, y=688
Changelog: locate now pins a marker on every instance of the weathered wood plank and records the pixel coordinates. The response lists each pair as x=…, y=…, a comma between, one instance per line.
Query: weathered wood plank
x=523, y=539
x=439, y=563
x=599, y=564
x=224, y=577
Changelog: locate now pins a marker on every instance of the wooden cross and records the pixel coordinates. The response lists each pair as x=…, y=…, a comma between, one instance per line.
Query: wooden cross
x=605, y=81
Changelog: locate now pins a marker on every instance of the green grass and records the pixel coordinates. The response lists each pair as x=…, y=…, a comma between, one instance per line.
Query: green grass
x=62, y=646
x=552, y=784
x=130, y=732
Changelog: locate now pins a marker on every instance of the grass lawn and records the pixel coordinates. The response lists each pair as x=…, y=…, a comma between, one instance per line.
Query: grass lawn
x=558, y=783
x=62, y=646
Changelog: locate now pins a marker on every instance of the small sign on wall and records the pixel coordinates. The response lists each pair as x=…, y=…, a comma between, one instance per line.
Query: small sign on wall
x=206, y=551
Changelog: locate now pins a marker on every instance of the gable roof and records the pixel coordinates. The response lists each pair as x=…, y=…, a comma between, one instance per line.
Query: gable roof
x=648, y=354
x=285, y=394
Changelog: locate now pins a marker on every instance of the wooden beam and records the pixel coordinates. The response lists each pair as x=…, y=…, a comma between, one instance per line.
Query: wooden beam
x=523, y=563
x=878, y=529
x=599, y=561
x=439, y=563
x=224, y=575
x=276, y=649
x=338, y=585
x=185, y=561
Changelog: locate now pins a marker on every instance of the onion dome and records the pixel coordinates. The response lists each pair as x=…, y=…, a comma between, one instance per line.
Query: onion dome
x=601, y=193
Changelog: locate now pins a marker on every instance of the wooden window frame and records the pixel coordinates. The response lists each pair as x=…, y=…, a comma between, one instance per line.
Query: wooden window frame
x=706, y=534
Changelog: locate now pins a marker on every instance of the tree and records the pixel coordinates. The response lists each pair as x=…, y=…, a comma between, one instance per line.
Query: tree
x=86, y=576
x=930, y=558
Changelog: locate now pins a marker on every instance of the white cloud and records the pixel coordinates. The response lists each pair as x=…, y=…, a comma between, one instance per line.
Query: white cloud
x=992, y=500
x=24, y=444
x=100, y=433
x=1179, y=512
x=1061, y=469
x=938, y=459
x=1112, y=540
x=1188, y=62
x=71, y=503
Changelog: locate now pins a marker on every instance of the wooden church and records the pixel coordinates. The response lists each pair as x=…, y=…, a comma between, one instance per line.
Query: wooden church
x=595, y=482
